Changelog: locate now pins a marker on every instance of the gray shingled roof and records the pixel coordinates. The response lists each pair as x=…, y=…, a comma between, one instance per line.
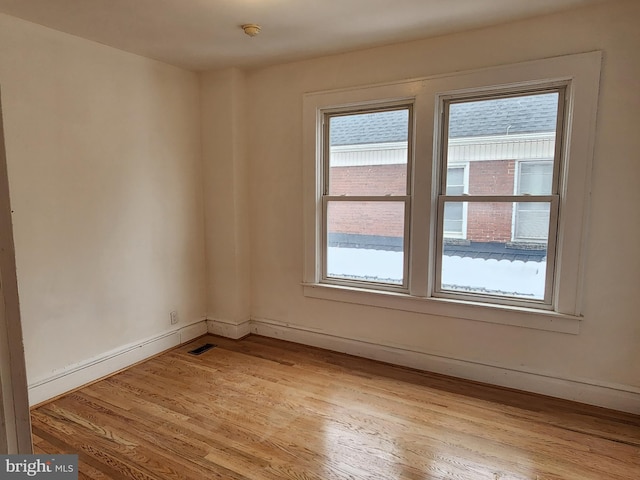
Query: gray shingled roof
x=531, y=114
x=379, y=127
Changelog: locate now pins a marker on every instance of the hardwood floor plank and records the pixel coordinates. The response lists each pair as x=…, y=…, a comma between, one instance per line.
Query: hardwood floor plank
x=261, y=408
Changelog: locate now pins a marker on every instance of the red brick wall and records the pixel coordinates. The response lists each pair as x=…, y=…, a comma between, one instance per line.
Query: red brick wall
x=369, y=180
x=493, y=177
x=379, y=218
x=490, y=222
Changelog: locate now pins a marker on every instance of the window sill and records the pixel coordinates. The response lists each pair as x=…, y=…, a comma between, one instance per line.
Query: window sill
x=497, y=314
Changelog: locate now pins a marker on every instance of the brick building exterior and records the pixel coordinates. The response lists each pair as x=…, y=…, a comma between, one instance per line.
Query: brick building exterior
x=489, y=222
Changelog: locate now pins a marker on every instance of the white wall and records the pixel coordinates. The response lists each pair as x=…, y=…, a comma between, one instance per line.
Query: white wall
x=224, y=137
x=103, y=152
x=606, y=351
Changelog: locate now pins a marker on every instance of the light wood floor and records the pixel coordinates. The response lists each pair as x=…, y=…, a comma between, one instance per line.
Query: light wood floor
x=265, y=409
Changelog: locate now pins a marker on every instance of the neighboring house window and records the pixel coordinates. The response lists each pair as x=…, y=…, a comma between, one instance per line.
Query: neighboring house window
x=531, y=219
x=462, y=195
x=455, y=212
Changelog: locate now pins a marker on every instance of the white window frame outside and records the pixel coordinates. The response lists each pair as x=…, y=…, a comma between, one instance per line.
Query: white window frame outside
x=580, y=72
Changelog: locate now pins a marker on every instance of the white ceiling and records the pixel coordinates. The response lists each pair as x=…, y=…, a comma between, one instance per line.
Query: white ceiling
x=206, y=34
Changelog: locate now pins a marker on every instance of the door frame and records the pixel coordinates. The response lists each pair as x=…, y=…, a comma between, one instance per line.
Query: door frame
x=15, y=421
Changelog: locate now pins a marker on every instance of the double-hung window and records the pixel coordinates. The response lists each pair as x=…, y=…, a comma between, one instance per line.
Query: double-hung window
x=366, y=196
x=501, y=127
x=462, y=195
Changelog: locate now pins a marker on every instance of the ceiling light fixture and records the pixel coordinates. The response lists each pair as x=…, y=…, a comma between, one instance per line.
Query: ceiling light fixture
x=251, y=29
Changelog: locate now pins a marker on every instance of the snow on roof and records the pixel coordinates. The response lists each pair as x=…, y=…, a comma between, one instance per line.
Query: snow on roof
x=503, y=116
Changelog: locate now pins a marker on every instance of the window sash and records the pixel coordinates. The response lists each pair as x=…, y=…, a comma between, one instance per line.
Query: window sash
x=547, y=302
x=325, y=278
x=447, y=100
x=386, y=107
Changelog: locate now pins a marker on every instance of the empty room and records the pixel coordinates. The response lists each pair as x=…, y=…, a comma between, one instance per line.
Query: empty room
x=278, y=239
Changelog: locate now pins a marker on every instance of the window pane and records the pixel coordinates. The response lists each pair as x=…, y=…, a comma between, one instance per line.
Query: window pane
x=535, y=178
x=489, y=262
x=365, y=241
x=493, y=134
x=453, y=219
x=532, y=222
x=368, y=153
x=455, y=180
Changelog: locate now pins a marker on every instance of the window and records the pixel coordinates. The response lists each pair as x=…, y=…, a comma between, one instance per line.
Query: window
x=365, y=198
x=455, y=214
x=531, y=219
x=462, y=195
x=493, y=267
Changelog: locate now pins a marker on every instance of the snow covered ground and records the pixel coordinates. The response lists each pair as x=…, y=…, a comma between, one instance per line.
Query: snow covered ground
x=501, y=277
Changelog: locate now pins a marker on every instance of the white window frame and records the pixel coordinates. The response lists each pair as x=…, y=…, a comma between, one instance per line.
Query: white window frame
x=581, y=73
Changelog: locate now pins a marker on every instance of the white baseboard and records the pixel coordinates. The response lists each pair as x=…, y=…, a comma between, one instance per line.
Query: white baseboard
x=618, y=397
x=74, y=376
x=229, y=328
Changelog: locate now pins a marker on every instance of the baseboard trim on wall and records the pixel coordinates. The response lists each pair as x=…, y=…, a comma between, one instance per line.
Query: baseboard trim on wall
x=618, y=397
x=74, y=376
x=229, y=328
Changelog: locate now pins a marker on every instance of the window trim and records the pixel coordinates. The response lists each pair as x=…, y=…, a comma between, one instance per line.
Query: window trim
x=582, y=71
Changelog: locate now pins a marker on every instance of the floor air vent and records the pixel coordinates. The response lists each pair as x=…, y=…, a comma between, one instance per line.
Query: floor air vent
x=202, y=349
